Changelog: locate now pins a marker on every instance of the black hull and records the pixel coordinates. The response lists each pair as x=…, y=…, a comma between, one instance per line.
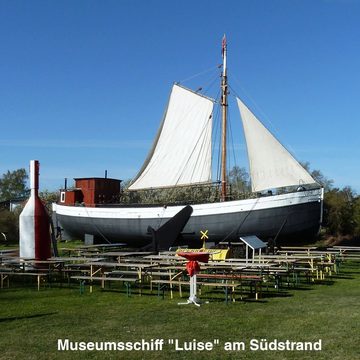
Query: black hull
x=293, y=223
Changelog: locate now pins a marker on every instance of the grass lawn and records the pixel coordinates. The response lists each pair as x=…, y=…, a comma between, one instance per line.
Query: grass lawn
x=32, y=322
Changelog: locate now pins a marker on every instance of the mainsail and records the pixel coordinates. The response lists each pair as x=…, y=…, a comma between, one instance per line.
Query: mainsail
x=181, y=153
x=271, y=165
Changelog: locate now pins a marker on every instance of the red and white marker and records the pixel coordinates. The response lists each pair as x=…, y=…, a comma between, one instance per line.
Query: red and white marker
x=35, y=242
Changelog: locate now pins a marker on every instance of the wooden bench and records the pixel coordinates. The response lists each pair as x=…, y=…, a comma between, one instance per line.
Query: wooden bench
x=171, y=283
x=239, y=278
x=179, y=283
x=225, y=285
x=122, y=272
x=6, y=275
x=127, y=281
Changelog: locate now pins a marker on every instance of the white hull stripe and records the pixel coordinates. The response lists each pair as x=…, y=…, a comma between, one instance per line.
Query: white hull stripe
x=229, y=207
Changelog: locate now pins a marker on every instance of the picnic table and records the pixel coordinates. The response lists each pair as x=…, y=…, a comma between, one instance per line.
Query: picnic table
x=102, y=246
x=121, y=255
x=232, y=281
x=98, y=268
x=6, y=274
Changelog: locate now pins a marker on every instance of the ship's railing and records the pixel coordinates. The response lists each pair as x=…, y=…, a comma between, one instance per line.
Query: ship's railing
x=196, y=194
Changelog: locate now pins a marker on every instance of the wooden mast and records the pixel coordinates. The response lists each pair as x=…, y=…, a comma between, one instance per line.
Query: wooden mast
x=224, y=107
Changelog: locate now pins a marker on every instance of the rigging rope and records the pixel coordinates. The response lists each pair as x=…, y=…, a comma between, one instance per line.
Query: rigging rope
x=237, y=229
x=96, y=227
x=264, y=116
x=199, y=74
x=216, y=138
x=197, y=160
x=231, y=139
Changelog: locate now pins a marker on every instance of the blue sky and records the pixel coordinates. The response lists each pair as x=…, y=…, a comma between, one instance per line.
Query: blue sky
x=83, y=84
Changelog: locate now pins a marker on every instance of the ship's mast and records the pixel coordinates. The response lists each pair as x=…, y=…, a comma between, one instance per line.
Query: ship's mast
x=224, y=107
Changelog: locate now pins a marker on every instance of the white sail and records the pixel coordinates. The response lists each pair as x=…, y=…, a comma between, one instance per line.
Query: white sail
x=271, y=165
x=181, y=154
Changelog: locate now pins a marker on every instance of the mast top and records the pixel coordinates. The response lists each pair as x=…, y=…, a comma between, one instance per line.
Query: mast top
x=224, y=53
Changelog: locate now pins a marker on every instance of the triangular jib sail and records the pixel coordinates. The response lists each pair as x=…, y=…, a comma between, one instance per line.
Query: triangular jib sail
x=271, y=165
x=181, y=153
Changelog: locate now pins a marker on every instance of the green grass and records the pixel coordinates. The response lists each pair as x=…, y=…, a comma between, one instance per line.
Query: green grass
x=31, y=321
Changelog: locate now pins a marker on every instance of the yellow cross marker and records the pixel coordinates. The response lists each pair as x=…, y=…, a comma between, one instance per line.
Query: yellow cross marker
x=204, y=234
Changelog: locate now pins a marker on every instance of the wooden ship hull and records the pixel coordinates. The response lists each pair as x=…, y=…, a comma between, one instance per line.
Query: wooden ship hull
x=288, y=216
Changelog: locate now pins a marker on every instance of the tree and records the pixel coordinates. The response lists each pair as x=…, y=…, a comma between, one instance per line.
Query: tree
x=318, y=176
x=239, y=180
x=9, y=226
x=339, y=211
x=49, y=197
x=13, y=184
x=356, y=214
